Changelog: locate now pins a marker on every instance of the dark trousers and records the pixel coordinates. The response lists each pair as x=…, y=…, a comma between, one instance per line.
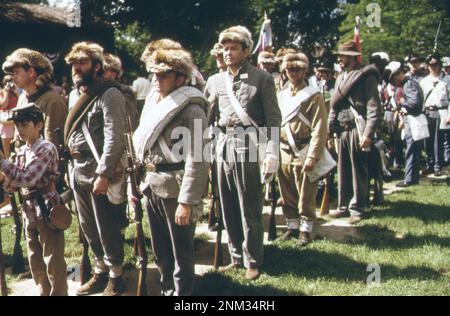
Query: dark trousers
x=447, y=146
x=412, y=167
x=241, y=198
x=173, y=246
x=434, y=144
x=101, y=223
x=353, y=173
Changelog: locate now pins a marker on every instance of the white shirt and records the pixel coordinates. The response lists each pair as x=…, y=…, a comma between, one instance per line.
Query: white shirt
x=436, y=90
x=141, y=88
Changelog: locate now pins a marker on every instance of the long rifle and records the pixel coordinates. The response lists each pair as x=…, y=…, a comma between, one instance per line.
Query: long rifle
x=3, y=288
x=132, y=171
x=437, y=37
x=217, y=211
x=272, y=196
x=67, y=197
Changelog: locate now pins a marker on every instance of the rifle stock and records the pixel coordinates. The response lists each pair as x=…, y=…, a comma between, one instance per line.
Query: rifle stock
x=139, y=213
x=325, y=206
x=3, y=288
x=18, y=262
x=67, y=197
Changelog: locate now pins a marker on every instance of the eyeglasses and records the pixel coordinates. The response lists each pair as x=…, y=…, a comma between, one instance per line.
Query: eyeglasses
x=295, y=69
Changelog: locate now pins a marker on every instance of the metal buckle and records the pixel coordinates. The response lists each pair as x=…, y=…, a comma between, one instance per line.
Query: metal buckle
x=230, y=130
x=150, y=167
x=75, y=154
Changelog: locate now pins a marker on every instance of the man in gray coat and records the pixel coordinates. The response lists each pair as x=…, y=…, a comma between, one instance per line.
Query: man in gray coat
x=175, y=171
x=94, y=134
x=354, y=117
x=246, y=97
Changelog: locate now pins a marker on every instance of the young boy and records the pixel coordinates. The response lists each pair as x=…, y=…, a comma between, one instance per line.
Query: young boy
x=35, y=170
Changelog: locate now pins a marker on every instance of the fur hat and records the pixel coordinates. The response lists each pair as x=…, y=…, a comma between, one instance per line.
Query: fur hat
x=282, y=52
x=217, y=50
x=295, y=60
x=237, y=34
x=266, y=58
x=113, y=63
x=30, y=58
x=84, y=50
x=177, y=60
x=164, y=43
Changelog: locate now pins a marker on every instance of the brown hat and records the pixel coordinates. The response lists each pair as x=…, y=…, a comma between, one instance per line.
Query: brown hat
x=177, y=60
x=85, y=50
x=113, y=63
x=348, y=49
x=237, y=34
x=165, y=43
x=266, y=58
x=30, y=58
x=295, y=60
x=217, y=50
x=282, y=52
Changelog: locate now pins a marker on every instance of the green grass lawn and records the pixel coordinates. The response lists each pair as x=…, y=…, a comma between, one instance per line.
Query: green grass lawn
x=408, y=238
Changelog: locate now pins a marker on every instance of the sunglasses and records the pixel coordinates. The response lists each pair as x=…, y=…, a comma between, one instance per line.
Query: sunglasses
x=295, y=69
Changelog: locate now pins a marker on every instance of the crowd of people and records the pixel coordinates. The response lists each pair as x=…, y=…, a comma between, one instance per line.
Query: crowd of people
x=366, y=120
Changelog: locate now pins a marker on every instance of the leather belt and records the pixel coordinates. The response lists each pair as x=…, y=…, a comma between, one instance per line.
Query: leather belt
x=80, y=154
x=347, y=126
x=231, y=130
x=168, y=167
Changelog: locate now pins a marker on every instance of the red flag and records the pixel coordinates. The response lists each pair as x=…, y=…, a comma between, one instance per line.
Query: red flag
x=357, y=37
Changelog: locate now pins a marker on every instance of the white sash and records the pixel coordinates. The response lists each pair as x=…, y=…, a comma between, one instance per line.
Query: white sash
x=290, y=106
x=160, y=115
x=326, y=162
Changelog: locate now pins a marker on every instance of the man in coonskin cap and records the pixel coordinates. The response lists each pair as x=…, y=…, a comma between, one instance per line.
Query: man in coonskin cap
x=94, y=134
x=33, y=72
x=266, y=62
x=246, y=98
x=173, y=185
x=436, y=105
x=36, y=170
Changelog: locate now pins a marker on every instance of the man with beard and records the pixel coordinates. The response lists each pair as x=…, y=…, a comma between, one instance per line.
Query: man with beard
x=355, y=115
x=94, y=134
x=33, y=73
x=246, y=98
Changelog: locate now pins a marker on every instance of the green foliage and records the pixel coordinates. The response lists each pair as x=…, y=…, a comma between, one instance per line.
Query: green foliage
x=130, y=43
x=406, y=26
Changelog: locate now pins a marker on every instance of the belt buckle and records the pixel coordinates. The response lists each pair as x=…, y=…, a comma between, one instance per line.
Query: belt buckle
x=230, y=130
x=150, y=167
x=75, y=154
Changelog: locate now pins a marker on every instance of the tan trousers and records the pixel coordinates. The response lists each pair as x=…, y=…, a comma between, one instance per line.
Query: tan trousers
x=298, y=193
x=46, y=258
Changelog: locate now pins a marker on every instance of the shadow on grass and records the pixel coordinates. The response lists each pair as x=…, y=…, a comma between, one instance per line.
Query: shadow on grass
x=314, y=264
x=217, y=284
x=428, y=213
x=382, y=238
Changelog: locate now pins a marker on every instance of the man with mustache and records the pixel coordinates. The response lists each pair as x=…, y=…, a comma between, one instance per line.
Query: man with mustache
x=94, y=134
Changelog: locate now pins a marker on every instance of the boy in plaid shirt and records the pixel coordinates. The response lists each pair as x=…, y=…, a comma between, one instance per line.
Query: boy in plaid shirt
x=36, y=168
